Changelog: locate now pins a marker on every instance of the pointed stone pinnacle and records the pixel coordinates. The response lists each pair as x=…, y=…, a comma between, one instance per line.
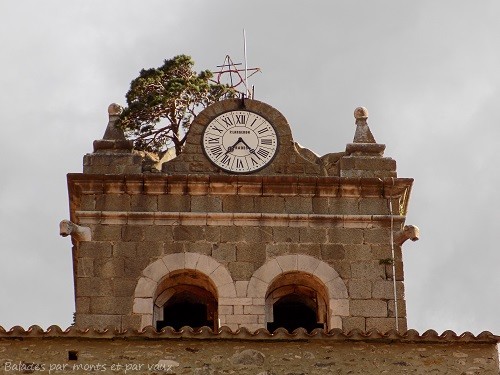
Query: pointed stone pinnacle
x=363, y=133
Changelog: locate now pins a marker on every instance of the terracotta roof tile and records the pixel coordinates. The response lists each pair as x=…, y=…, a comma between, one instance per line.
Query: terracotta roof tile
x=225, y=333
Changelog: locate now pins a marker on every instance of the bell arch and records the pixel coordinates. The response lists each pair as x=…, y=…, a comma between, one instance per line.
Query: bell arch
x=316, y=275
x=180, y=273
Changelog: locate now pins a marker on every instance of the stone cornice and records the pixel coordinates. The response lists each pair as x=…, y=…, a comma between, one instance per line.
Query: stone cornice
x=237, y=219
x=193, y=184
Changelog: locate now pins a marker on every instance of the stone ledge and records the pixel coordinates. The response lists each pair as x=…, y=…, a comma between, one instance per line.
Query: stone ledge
x=236, y=219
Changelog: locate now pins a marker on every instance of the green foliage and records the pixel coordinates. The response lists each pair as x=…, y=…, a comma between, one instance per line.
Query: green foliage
x=162, y=103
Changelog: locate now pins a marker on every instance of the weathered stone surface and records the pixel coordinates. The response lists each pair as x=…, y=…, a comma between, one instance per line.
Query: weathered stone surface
x=360, y=289
x=368, y=308
x=248, y=357
x=242, y=270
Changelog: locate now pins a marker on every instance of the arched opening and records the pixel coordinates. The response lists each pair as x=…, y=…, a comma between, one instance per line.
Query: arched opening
x=185, y=298
x=296, y=300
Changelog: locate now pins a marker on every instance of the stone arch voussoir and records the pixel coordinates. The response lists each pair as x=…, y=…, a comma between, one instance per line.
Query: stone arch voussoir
x=153, y=274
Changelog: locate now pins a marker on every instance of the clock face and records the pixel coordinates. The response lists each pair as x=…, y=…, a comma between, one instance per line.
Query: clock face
x=240, y=141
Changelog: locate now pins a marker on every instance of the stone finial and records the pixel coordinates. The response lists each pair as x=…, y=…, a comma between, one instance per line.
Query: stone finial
x=363, y=133
x=115, y=109
x=79, y=233
x=361, y=113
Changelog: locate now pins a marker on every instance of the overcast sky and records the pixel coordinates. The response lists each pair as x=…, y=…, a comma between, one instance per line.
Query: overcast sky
x=428, y=72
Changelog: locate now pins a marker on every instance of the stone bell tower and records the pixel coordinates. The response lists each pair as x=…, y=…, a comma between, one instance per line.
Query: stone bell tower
x=244, y=229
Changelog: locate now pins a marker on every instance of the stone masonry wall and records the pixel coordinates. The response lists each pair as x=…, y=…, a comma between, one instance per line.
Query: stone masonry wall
x=241, y=223
x=263, y=357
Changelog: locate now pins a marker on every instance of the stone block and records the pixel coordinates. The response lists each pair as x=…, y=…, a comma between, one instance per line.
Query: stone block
x=241, y=319
x=154, y=184
x=143, y=306
x=332, y=252
x=227, y=290
x=238, y=203
x=256, y=234
x=401, y=308
x=360, y=289
x=373, y=206
x=224, y=185
x=377, y=236
x=337, y=288
x=112, y=305
x=93, y=286
x=191, y=260
x=207, y=265
x=281, y=185
x=134, y=266
x=156, y=271
x=242, y=270
x=311, y=249
x=270, y=204
x=274, y=250
x=325, y=272
x=353, y=322
x=82, y=305
x=246, y=252
x=238, y=309
x=340, y=307
x=133, y=233
x=113, y=202
x=343, y=206
x=288, y=262
x=226, y=310
x=385, y=324
x=224, y=252
x=124, y=287
x=158, y=233
x=131, y=322
x=198, y=184
x=368, y=308
x=174, y=203
x=384, y=289
x=374, y=163
x=99, y=321
x=241, y=288
x=254, y=310
x=235, y=301
x=85, y=267
x=384, y=251
x=345, y=235
x=367, y=270
x=206, y=203
x=109, y=267
x=150, y=249
x=107, y=233
x=285, y=234
x=358, y=252
x=307, y=263
x=178, y=247
x=198, y=247
x=145, y=288
x=298, y=205
x=88, y=202
x=320, y=205
x=257, y=288
x=188, y=233
x=398, y=265
x=144, y=202
x=312, y=235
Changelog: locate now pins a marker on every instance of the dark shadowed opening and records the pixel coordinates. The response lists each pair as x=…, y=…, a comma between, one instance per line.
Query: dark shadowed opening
x=294, y=311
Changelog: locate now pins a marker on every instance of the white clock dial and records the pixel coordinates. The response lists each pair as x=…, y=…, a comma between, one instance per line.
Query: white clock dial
x=240, y=141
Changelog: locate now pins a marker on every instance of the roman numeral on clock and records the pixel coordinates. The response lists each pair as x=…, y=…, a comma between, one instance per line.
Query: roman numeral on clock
x=266, y=141
x=239, y=163
x=262, y=131
x=216, y=151
x=227, y=121
x=263, y=153
x=213, y=140
x=226, y=160
x=241, y=119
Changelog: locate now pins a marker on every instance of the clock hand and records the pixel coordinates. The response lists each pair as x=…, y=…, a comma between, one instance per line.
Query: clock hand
x=252, y=151
x=231, y=148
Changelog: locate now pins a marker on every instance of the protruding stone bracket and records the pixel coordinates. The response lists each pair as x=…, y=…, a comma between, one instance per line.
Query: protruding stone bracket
x=409, y=232
x=77, y=232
